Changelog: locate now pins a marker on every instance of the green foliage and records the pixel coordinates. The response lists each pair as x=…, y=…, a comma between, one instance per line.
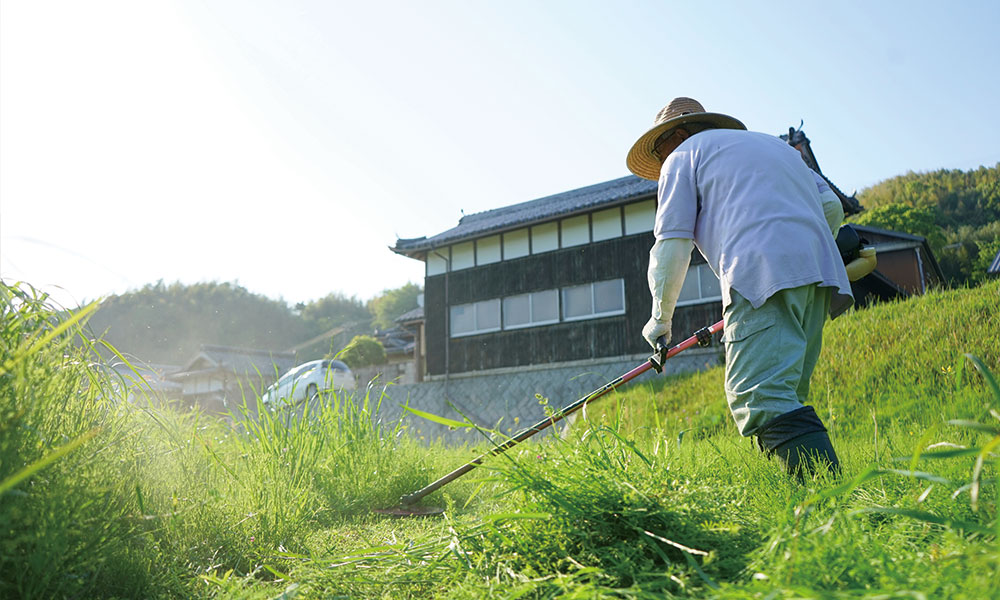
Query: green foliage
x=393, y=303
x=962, y=197
x=100, y=498
x=957, y=211
x=334, y=310
x=915, y=220
x=988, y=250
x=66, y=515
x=363, y=351
x=168, y=323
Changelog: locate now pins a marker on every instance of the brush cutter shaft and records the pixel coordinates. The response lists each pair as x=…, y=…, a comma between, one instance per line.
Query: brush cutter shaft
x=654, y=362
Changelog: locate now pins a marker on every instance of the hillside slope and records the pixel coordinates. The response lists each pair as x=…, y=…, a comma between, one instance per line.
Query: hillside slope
x=902, y=360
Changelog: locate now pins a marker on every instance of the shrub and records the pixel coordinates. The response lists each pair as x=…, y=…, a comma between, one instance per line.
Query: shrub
x=363, y=351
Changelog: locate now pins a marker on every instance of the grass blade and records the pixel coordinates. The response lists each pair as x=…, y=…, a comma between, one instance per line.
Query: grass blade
x=46, y=460
x=925, y=517
x=40, y=342
x=437, y=419
x=987, y=375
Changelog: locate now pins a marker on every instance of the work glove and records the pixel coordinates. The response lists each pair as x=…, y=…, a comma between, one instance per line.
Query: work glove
x=862, y=265
x=655, y=328
x=668, y=264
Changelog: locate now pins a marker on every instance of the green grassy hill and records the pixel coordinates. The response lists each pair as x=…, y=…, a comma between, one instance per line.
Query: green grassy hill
x=900, y=362
x=651, y=494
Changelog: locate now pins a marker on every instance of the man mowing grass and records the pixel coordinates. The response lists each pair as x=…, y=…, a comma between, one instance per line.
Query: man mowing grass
x=764, y=222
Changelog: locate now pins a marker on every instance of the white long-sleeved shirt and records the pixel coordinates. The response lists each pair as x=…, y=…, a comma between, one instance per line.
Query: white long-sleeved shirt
x=754, y=211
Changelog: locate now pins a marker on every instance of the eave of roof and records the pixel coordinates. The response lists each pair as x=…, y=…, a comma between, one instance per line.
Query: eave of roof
x=412, y=316
x=601, y=195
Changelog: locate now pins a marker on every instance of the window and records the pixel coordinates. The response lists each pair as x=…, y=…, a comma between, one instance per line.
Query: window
x=609, y=297
x=700, y=286
x=588, y=301
x=477, y=317
x=526, y=310
x=599, y=299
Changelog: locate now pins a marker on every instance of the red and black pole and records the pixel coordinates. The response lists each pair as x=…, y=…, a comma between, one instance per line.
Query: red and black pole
x=702, y=337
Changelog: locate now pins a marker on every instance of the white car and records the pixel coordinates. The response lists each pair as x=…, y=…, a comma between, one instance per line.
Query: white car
x=305, y=381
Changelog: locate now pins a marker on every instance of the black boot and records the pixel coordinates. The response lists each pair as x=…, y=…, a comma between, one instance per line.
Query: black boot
x=800, y=441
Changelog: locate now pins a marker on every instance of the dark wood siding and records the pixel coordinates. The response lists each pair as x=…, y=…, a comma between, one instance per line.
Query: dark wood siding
x=625, y=258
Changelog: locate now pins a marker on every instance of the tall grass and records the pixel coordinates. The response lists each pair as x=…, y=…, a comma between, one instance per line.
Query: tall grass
x=652, y=494
x=655, y=496
x=65, y=512
x=107, y=492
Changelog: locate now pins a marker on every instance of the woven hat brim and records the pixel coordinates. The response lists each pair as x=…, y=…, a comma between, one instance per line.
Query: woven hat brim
x=640, y=159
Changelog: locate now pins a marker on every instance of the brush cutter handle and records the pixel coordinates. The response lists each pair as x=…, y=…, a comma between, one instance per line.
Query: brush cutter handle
x=702, y=337
x=655, y=362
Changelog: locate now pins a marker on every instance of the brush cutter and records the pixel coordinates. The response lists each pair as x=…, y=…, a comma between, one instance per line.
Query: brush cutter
x=406, y=506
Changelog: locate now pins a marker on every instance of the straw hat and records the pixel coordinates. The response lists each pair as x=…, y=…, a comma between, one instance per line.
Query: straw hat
x=641, y=160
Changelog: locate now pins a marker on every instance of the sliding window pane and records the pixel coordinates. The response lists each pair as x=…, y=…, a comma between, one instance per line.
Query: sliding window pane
x=516, y=311
x=545, y=306
x=488, y=315
x=577, y=301
x=463, y=319
x=609, y=296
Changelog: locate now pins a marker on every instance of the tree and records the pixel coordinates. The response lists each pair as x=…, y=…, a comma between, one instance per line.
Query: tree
x=957, y=211
x=167, y=323
x=334, y=310
x=391, y=304
x=987, y=252
x=363, y=351
x=922, y=221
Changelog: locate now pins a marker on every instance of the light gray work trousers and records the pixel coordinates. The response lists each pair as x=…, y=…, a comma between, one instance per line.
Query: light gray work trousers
x=771, y=352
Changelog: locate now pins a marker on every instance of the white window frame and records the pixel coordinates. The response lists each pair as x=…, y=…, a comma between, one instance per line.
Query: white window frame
x=476, y=328
x=699, y=271
x=592, y=314
x=531, y=310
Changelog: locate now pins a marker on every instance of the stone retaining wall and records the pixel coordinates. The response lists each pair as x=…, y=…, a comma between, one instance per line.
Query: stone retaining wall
x=512, y=399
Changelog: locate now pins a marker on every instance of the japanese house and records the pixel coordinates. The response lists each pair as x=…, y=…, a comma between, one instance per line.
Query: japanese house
x=563, y=278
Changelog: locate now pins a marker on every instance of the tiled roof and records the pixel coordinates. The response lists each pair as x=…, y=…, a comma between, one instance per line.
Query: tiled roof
x=608, y=193
x=242, y=360
x=417, y=314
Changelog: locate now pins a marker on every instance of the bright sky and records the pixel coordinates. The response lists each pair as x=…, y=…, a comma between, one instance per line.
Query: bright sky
x=285, y=145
